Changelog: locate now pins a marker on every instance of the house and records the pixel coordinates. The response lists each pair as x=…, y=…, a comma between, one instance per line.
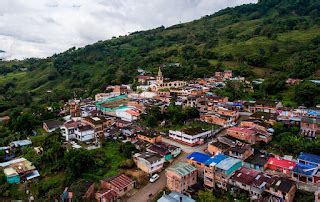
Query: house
x=68, y=130
x=190, y=136
x=175, y=197
x=209, y=169
x=220, y=115
x=216, y=119
x=165, y=153
x=306, y=158
x=121, y=184
x=217, y=147
x=270, y=118
x=307, y=169
x=122, y=123
x=224, y=170
x=250, y=180
x=19, y=170
x=175, y=151
x=280, y=165
x=198, y=159
x=51, y=125
x=106, y=195
x=181, y=176
x=268, y=106
x=250, y=135
x=99, y=124
x=256, y=161
x=244, y=134
x=281, y=189
x=310, y=125
x=143, y=79
x=240, y=151
x=128, y=114
x=84, y=133
x=149, y=162
x=149, y=136
x=227, y=74
x=307, y=173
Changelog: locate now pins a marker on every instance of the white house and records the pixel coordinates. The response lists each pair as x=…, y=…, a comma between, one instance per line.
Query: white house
x=128, y=114
x=149, y=162
x=190, y=136
x=68, y=130
x=84, y=133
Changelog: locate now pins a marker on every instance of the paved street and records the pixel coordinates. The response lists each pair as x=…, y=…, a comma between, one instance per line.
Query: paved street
x=154, y=188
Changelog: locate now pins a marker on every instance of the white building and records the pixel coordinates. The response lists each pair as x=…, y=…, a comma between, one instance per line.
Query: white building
x=190, y=136
x=127, y=114
x=84, y=133
x=149, y=162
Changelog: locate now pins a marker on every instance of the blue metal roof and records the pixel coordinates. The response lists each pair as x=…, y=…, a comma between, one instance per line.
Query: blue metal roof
x=198, y=157
x=215, y=159
x=311, y=158
x=305, y=169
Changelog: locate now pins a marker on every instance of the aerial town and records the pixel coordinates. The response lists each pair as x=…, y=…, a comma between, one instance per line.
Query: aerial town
x=219, y=147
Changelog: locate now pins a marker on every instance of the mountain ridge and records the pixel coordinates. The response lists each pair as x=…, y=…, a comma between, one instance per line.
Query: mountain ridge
x=255, y=40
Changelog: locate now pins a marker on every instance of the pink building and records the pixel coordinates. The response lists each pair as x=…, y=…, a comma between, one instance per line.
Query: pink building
x=181, y=176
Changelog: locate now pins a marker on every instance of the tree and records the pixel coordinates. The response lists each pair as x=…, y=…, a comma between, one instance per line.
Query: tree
x=206, y=196
x=307, y=94
x=78, y=162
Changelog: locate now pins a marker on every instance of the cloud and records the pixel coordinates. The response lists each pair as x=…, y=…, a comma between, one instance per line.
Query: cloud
x=40, y=28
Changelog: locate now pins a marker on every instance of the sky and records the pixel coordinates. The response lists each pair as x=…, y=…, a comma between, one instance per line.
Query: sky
x=41, y=28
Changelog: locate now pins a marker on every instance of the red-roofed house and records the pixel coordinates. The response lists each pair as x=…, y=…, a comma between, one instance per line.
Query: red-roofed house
x=281, y=165
x=121, y=184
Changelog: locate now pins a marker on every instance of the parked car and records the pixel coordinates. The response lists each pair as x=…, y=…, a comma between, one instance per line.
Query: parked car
x=154, y=178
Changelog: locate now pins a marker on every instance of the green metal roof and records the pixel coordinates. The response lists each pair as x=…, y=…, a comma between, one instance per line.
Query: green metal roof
x=182, y=169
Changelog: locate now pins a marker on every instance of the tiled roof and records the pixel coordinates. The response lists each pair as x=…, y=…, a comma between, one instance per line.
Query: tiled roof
x=120, y=181
x=182, y=169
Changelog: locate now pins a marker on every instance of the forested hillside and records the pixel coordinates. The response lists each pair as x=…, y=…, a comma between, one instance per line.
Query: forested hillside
x=273, y=39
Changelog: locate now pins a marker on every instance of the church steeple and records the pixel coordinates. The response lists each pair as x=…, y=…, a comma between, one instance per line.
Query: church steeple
x=160, y=77
x=160, y=72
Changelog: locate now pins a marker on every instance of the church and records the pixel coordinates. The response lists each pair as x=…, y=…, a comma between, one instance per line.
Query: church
x=161, y=84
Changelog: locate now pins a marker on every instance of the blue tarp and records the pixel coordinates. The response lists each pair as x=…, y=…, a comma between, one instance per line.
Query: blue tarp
x=198, y=157
x=305, y=169
x=310, y=158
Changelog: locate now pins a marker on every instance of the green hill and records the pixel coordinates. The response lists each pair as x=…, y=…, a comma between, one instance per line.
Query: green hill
x=272, y=37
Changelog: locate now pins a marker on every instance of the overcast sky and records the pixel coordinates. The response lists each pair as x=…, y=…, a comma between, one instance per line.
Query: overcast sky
x=40, y=28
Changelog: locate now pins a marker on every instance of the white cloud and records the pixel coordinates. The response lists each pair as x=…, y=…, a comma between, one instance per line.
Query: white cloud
x=40, y=28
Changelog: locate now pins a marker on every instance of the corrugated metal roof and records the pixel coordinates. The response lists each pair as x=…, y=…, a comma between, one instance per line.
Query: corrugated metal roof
x=227, y=163
x=215, y=159
x=182, y=169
